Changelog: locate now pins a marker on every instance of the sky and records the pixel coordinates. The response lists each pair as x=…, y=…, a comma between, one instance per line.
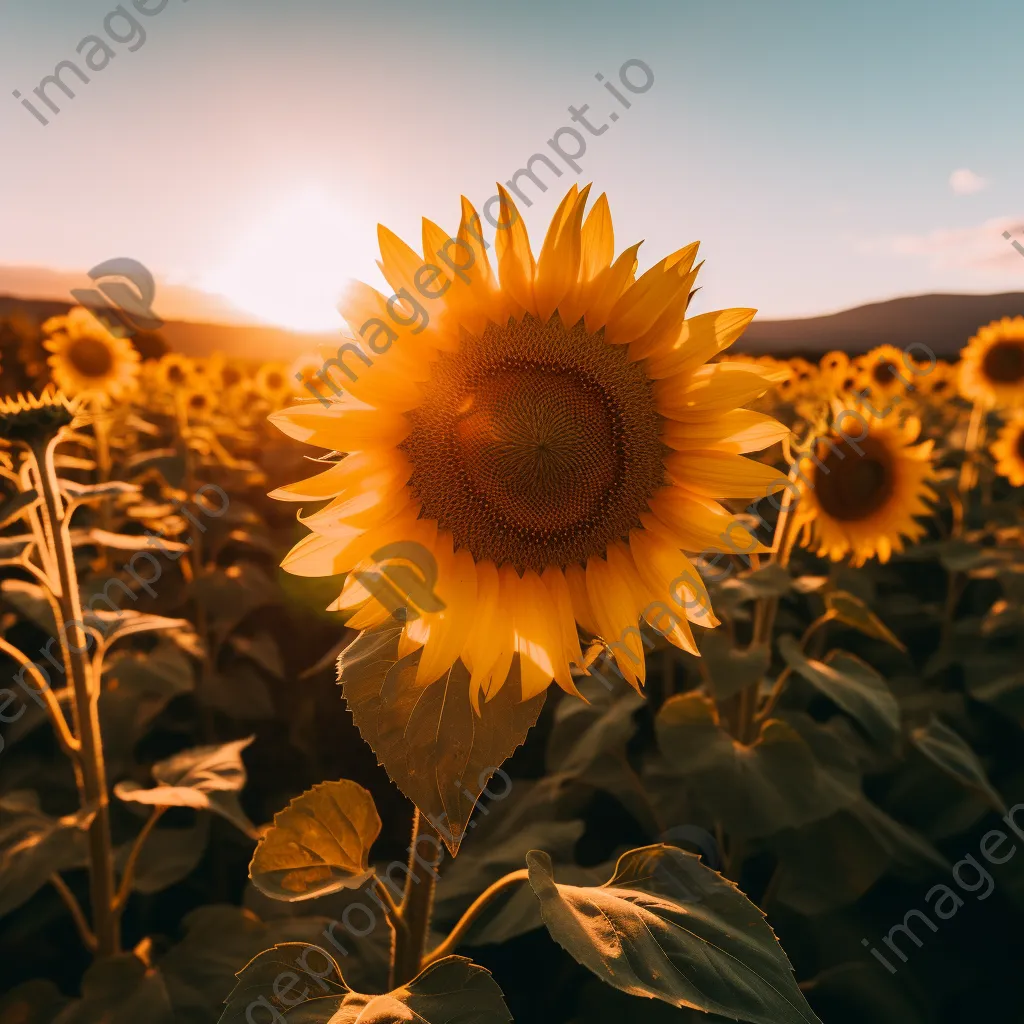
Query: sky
x=825, y=154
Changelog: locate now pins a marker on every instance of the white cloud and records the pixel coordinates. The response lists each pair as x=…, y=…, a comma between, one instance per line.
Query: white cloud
x=981, y=248
x=965, y=182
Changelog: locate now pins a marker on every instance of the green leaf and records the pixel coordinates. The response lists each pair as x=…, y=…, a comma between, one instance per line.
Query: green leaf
x=854, y=612
x=34, y=846
x=950, y=752
x=756, y=790
x=88, y=492
x=318, y=844
x=168, y=856
x=449, y=991
x=731, y=668
x=206, y=778
x=770, y=580
x=120, y=990
x=830, y=864
x=632, y=932
x=261, y=649
x=132, y=541
x=433, y=745
x=852, y=684
x=32, y=1002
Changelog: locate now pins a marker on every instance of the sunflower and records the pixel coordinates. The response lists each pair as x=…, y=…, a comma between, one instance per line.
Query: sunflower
x=860, y=495
x=34, y=419
x=273, y=383
x=303, y=374
x=551, y=436
x=1008, y=451
x=938, y=383
x=992, y=365
x=87, y=358
x=199, y=403
x=175, y=371
x=887, y=371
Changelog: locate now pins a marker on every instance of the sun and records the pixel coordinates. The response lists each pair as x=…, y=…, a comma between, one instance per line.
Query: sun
x=287, y=269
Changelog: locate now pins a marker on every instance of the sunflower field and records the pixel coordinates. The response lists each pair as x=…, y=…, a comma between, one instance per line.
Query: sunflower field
x=555, y=665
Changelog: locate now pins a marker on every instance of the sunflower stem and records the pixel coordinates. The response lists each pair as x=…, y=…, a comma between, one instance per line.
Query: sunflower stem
x=456, y=935
x=90, y=767
x=412, y=920
x=968, y=475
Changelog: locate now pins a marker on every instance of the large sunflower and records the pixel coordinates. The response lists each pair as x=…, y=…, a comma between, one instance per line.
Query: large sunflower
x=552, y=436
x=87, y=358
x=992, y=365
x=859, y=495
x=1008, y=451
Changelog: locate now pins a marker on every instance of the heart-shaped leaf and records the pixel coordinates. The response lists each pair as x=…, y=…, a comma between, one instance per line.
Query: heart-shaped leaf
x=34, y=846
x=207, y=778
x=318, y=844
x=854, y=612
x=719, y=955
x=120, y=988
x=852, y=684
x=731, y=668
x=950, y=752
x=436, y=749
x=302, y=984
x=756, y=790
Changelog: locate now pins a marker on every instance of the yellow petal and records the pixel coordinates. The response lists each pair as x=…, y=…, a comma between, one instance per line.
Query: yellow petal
x=724, y=475
x=537, y=638
x=516, y=267
x=641, y=306
x=695, y=342
x=738, y=431
x=606, y=288
x=709, y=391
x=558, y=265
x=450, y=627
x=341, y=426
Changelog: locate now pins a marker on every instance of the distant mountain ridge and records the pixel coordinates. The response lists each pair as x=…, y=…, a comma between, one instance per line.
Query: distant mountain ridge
x=942, y=322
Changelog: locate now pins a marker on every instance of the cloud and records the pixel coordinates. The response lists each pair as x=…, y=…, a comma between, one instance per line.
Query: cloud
x=965, y=182
x=981, y=248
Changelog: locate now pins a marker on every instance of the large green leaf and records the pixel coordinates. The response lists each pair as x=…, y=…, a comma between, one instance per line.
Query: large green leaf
x=756, y=790
x=852, y=684
x=34, y=846
x=318, y=844
x=950, y=752
x=304, y=985
x=832, y=863
x=720, y=955
x=120, y=990
x=436, y=749
x=852, y=611
x=731, y=668
x=206, y=778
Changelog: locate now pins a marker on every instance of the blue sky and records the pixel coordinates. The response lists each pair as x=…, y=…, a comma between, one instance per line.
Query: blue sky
x=251, y=146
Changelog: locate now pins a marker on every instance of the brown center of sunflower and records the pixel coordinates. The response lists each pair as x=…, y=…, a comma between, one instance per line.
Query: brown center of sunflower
x=1020, y=444
x=1004, y=362
x=536, y=445
x=851, y=486
x=275, y=381
x=884, y=372
x=91, y=358
x=230, y=376
x=175, y=374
